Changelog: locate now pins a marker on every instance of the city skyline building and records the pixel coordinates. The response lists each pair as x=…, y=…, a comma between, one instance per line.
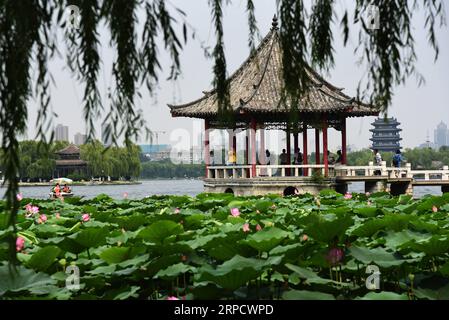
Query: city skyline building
x=441, y=135
x=79, y=139
x=61, y=133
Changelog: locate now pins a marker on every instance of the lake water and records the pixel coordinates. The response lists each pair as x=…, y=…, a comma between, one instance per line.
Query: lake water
x=171, y=187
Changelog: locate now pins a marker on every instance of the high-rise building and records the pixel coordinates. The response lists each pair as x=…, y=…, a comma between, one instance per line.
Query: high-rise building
x=80, y=139
x=107, y=140
x=61, y=133
x=386, y=134
x=441, y=135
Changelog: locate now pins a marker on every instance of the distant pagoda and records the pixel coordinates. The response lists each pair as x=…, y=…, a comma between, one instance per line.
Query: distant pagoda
x=386, y=134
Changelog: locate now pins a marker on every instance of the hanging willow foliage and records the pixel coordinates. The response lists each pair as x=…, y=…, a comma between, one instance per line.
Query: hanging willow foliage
x=28, y=31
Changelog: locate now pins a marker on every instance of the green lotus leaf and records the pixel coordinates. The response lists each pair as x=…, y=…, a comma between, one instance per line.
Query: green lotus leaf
x=233, y=273
x=91, y=237
x=116, y=254
x=397, y=239
x=44, y=258
x=384, y=295
x=376, y=256
x=434, y=246
x=266, y=239
x=327, y=229
x=160, y=230
x=22, y=279
x=306, y=295
x=174, y=271
x=441, y=293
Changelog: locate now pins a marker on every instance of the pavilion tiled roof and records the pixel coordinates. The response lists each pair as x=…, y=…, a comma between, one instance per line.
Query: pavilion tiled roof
x=256, y=88
x=70, y=149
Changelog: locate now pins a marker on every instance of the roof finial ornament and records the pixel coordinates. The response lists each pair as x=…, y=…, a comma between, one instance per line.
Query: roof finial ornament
x=274, y=23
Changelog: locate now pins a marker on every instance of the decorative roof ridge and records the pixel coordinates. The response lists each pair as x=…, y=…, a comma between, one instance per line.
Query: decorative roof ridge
x=240, y=69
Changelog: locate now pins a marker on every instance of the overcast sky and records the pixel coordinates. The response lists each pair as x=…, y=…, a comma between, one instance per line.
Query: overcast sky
x=419, y=109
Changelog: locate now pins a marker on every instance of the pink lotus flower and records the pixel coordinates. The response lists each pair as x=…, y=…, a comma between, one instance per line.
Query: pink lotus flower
x=177, y=211
x=348, y=195
x=434, y=209
x=31, y=210
x=42, y=218
x=235, y=212
x=334, y=256
x=85, y=217
x=125, y=195
x=20, y=243
x=57, y=215
x=367, y=194
x=246, y=227
x=305, y=237
x=258, y=227
x=19, y=197
x=172, y=298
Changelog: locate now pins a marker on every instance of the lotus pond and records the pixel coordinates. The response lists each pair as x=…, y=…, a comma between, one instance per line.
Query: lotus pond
x=216, y=246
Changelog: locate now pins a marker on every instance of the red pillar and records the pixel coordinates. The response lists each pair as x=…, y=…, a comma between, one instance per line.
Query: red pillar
x=253, y=147
x=317, y=146
x=247, y=146
x=234, y=145
x=289, y=153
x=325, y=159
x=343, y=141
x=206, y=145
x=304, y=148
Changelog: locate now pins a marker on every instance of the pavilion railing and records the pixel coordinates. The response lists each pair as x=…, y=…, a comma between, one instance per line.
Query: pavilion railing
x=244, y=171
x=428, y=175
x=292, y=170
x=225, y=172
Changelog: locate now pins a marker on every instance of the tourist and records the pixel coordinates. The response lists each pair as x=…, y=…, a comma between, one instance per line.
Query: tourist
x=66, y=189
x=268, y=157
x=57, y=190
x=339, y=158
x=377, y=161
x=330, y=158
x=283, y=158
x=298, y=159
x=212, y=158
x=397, y=159
x=232, y=158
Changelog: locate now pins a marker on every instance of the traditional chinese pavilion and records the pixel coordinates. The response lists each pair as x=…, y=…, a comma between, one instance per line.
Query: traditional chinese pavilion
x=256, y=90
x=69, y=162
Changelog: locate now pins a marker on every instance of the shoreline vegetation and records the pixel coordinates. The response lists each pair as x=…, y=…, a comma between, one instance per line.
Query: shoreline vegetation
x=81, y=183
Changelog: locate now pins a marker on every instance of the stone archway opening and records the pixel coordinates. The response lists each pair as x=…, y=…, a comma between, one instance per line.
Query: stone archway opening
x=290, y=191
x=229, y=190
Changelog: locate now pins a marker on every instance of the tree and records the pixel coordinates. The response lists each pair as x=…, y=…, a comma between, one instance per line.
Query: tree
x=26, y=41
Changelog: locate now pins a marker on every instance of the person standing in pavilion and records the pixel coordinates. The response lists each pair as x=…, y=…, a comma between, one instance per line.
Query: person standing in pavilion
x=298, y=159
x=377, y=161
